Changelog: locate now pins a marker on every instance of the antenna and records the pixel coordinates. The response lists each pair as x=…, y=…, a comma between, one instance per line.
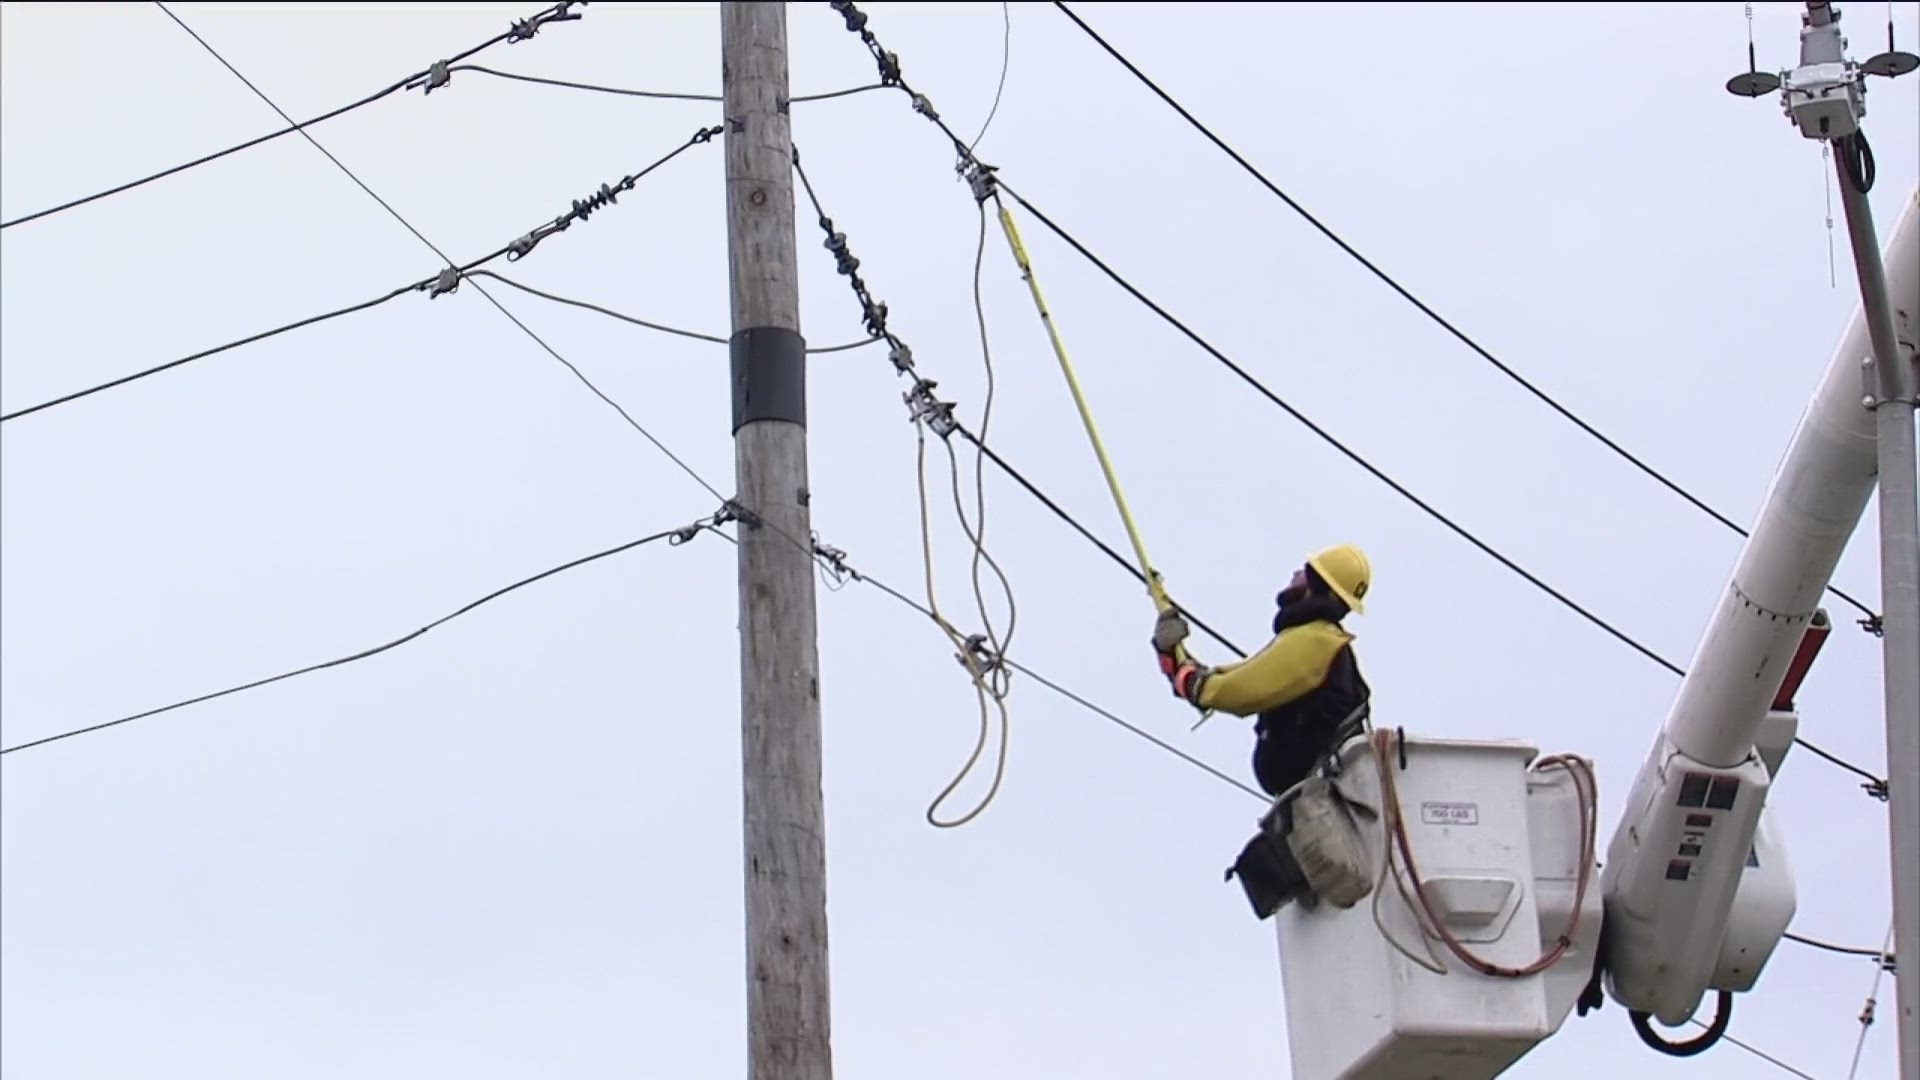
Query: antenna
x=1754, y=82
x=1893, y=63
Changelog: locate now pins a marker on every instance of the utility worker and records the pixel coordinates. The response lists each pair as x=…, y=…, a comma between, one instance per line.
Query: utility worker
x=1304, y=686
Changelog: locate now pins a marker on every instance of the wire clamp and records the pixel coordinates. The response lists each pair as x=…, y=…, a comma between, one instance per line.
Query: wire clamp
x=438, y=75
x=1877, y=789
x=979, y=658
x=707, y=134
x=901, y=356
x=924, y=106
x=445, y=282
x=1874, y=624
x=924, y=408
x=980, y=178
x=833, y=560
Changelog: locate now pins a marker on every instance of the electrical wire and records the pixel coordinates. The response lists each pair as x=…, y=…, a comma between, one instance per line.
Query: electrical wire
x=992, y=697
x=889, y=66
x=203, y=354
x=557, y=13
x=581, y=209
x=982, y=655
x=1002, y=640
x=674, y=536
x=655, y=94
x=1881, y=955
x=610, y=313
x=1437, y=318
x=1006, y=61
x=1757, y=1052
x=1867, y=1013
x=1118, y=559
x=446, y=282
x=1875, y=784
x=838, y=560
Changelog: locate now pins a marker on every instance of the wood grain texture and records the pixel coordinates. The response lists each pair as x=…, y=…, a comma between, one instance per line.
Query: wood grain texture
x=788, y=1012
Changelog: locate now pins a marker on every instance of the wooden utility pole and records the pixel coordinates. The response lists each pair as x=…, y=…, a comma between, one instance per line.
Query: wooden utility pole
x=785, y=858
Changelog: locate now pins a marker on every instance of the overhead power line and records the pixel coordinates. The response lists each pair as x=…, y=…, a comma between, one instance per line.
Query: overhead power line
x=674, y=536
x=659, y=95
x=1424, y=309
x=1876, y=786
x=837, y=560
x=450, y=278
x=521, y=30
x=889, y=67
x=612, y=314
x=444, y=282
x=203, y=354
x=1884, y=958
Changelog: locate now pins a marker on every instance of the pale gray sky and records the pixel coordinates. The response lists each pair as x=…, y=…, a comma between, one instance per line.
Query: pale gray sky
x=510, y=848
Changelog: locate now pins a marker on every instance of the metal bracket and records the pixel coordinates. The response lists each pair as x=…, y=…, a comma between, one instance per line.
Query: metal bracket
x=901, y=355
x=446, y=282
x=985, y=660
x=981, y=179
x=924, y=408
x=1870, y=398
x=735, y=510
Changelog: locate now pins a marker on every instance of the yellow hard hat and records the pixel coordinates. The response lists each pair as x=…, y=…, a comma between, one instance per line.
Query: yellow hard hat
x=1346, y=572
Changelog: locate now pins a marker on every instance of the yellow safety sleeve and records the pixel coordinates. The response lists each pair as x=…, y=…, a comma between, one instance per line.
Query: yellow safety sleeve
x=1292, y=665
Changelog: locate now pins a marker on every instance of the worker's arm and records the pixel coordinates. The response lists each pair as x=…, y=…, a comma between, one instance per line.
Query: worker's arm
x=1293, y=663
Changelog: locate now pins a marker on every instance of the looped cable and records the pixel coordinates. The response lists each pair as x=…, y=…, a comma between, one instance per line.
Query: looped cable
x=991, y=699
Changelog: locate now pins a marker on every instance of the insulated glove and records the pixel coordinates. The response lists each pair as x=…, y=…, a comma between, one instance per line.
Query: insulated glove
x=1169, y=631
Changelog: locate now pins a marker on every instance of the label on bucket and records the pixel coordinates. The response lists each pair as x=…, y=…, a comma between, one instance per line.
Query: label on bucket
x=1449, y=813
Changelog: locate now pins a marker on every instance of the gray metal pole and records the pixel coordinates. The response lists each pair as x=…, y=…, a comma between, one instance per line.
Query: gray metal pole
x=1891, y=393
x=785, y=832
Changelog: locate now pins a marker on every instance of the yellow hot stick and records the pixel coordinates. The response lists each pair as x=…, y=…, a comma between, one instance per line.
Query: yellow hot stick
x=1154, y=588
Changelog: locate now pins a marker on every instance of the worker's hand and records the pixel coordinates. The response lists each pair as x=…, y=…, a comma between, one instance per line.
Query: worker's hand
x=1169, y=631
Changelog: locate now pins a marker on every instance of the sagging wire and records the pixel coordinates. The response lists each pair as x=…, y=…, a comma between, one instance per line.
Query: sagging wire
x=1860, y=167
x=658, y=95
x=674, y=538
x=444, y=282
x=648, y=324
x=999, y=642
x=983, y=655
x=520, y=30
x=984, y=186
x=836, y=559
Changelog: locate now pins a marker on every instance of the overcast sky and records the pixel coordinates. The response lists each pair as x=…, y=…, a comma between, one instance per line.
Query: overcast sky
x=511, y=847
